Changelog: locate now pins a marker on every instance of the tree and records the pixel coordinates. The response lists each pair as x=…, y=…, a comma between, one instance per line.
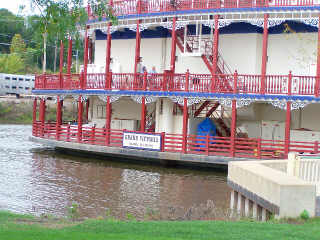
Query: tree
x=10, y=25
x=18, y=46
x=61, y=17
x=11, y=63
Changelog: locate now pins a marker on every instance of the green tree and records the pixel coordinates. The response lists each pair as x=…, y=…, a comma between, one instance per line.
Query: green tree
x=10, y=25
x=18, y=46
x=11, y=63
x=61, y=17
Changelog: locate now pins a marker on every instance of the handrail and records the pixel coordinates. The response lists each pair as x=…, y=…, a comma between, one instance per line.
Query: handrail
x=194, y=144
x=244, y=84
x=129, y=7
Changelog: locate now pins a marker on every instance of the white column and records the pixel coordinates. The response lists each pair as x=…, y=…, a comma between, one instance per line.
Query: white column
x=167, y=116
x=246, y=207
x=239, y=205
x=264, y=215
x=255, y=210
x=293, y=166
x=232, y=203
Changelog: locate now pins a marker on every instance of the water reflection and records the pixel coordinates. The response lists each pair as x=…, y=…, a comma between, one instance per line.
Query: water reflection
x=38, y=180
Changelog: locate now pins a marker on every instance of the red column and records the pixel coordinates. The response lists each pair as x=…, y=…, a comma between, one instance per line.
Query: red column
x=290, y=83
x=42, y=111
x=233, y=128
x=90, y=51
x=87, y=110
x=317, y=85
x=138, y=42
x=85, y=60
x=34, y=112
x=42, y=115
x=187, y=80
x=58, y=118
x=287, y=129
x=185, y=125
x=69, y=56
x=173, y=46
x=61, y=64
x=108, y=58
x=34, y=118
x=143, y=115
x=215, y=51
x=264, y=54
x=80, y=113
x=108, y=120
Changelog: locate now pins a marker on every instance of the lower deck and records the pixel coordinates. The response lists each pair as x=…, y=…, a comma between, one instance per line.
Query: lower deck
x=168, y=158
x=215, y=150
x=257, y=130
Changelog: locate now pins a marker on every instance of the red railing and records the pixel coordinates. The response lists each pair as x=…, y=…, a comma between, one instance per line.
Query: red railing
x=224, y=83
x=194, y=144
x=129, y=7
x=70, y=81
x=96, y=81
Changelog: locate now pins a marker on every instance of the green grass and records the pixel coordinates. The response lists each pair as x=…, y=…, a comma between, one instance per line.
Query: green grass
x=13, y=228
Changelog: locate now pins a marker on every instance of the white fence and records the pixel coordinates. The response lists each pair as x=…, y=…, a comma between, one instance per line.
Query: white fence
x=305, y=168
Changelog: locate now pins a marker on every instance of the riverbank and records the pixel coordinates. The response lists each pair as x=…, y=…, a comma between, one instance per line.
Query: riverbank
x=19, y=111
x=24, y=227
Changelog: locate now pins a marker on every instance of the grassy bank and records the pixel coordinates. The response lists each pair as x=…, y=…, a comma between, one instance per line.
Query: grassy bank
x=19, y=227
x=20, y=112
x=15, y=113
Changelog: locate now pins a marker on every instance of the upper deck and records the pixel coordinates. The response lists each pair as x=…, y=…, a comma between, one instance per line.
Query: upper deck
x=235, y=85
x=124, y=9
x=194, y=83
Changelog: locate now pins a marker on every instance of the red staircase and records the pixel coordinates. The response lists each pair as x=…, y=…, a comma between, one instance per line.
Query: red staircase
x=221, y=117
x=223, y=83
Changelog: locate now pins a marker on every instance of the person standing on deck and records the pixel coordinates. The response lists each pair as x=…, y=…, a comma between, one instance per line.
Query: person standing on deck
x=153, y=70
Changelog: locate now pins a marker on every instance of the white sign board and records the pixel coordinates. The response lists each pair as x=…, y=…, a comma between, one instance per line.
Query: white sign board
x=142, y=141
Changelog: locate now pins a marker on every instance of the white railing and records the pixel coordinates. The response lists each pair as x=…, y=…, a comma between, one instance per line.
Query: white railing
x=306, y=168
x=310, y=171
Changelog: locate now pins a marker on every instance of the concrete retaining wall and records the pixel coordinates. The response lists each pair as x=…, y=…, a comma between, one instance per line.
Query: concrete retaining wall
x=272, y=189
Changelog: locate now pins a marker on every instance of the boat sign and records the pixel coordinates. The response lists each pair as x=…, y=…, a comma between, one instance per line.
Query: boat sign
x=144, y=141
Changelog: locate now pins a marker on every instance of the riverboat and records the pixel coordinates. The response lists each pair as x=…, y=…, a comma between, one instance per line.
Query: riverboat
x=192, y=79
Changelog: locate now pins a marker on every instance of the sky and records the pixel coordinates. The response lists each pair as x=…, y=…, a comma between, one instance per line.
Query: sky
x=13, y=5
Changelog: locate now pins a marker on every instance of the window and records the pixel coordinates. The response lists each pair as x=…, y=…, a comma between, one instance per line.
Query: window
x=14, y=87
x=7, y=86
x=32, y=80
x=14, y=78
x=20, y=79
x=26, y=88
x=20, y=87
x=7, y=78
x=27, y=79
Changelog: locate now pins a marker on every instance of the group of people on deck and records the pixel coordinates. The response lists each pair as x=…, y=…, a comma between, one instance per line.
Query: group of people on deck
x=143, y=69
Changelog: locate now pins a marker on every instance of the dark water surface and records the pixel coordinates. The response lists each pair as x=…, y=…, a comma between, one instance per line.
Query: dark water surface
x=35, y=179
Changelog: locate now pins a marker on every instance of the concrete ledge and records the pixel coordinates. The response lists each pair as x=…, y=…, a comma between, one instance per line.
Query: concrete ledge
x=136, y=154
x=284, y=195
x=255, y=198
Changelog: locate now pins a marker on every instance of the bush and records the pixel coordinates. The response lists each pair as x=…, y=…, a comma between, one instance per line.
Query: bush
x=305, y=215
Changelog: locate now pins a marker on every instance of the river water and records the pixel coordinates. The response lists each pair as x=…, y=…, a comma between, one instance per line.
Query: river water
x=37, y=180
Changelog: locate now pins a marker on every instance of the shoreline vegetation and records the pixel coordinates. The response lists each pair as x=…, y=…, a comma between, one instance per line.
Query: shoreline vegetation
x=12, y=112
x=27, y=227
x=19, y=111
